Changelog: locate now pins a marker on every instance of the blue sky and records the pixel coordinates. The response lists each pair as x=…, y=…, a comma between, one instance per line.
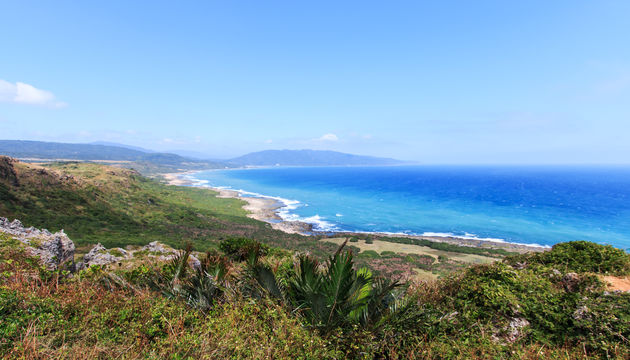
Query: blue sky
x=432, y=81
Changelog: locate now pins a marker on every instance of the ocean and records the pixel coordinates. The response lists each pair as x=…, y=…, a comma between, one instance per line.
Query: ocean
x=525, y=204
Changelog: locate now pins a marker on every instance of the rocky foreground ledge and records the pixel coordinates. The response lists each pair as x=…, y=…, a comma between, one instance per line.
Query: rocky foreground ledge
x=53, y=249
x=56, y=250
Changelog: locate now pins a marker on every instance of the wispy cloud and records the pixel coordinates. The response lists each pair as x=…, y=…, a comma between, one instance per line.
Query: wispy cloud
x=329, y=137
x=22, y=93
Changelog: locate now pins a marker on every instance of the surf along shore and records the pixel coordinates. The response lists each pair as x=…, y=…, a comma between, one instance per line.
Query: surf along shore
x=267, y=210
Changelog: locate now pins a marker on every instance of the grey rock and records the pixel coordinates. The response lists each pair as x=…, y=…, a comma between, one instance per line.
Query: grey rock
x=53, y=249
x=511, y=333
x=570, y=281
x=194, y=262
x=515, y=330
x=156, y=247
x=99, y=255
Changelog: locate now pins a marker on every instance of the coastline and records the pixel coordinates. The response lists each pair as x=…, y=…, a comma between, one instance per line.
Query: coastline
x=267, y=209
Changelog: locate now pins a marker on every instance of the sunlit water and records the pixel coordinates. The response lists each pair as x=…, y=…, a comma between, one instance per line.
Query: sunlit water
x=532, y=205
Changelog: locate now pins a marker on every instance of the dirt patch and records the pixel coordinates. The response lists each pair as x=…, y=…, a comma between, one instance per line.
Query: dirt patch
x=618, y=283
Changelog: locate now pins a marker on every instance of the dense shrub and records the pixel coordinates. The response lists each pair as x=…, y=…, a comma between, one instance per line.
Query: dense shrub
x=585, y=256
x=369, y=254
x=240, y=248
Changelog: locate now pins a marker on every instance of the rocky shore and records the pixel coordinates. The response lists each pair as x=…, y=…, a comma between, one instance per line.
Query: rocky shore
x=266, y=209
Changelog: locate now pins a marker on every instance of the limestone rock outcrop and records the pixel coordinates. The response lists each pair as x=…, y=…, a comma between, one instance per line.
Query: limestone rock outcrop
x=99, y=255
x=53, y=249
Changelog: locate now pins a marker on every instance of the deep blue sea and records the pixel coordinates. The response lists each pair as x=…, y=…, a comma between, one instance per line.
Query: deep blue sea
x=531, y=205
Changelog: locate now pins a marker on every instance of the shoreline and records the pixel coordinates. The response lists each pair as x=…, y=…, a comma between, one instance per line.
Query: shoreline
x=267, y=209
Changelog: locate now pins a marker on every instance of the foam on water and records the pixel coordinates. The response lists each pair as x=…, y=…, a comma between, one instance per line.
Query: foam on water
x=284, y=211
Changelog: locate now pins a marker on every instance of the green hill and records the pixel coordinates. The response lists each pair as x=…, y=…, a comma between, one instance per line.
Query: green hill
x=145, y=162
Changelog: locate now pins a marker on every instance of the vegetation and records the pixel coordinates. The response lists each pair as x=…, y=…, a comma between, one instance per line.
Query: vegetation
x=241, y=248
x=44, y=315
x=447, y=247
x=581, y=256
x=284, y=306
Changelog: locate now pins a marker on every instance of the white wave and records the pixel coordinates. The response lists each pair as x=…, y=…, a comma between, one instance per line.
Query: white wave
x=319, y=224
x=469, y=236
x=284, y=212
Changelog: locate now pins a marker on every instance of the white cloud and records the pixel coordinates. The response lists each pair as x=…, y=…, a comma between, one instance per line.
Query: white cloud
x=269, y=141
x=328, y=137
x=21, y=93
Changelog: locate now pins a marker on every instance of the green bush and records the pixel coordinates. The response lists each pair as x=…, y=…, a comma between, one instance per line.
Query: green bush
x=369, y=241
x=354, y=239
x=388, y=253
x=239, y=248
x=369, y=254
x=581, y=256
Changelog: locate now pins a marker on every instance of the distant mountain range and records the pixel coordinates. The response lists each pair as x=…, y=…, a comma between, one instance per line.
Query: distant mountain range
x=149, y=161
x=309, y=158
x=143, y=161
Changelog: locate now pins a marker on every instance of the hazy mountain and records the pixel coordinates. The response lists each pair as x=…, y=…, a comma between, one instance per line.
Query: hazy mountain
x=147, y=162
x=309, y=158
x=138, y=148
x=193, y=154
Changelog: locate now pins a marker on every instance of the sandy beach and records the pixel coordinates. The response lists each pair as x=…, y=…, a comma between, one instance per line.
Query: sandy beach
x=266, y=209
x=177, y=179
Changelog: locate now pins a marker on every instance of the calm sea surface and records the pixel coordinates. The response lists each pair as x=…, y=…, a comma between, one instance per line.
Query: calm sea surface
x=533, y=205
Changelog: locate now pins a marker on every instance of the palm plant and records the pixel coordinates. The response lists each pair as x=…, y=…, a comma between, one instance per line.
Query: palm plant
x=202, y=286
x=338, y=295
x=260, y=279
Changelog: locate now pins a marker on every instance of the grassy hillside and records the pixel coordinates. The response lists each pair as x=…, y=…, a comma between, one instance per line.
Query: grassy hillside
x=117, y=207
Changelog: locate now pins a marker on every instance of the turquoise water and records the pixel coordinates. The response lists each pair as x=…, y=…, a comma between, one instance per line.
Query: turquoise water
x=531, y=205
